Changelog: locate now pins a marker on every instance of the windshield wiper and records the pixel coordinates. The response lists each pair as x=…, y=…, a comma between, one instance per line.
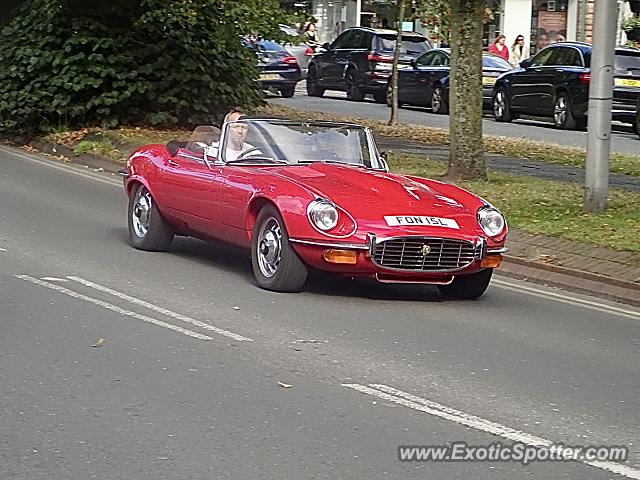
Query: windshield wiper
x=258, y=159
x=338, y=162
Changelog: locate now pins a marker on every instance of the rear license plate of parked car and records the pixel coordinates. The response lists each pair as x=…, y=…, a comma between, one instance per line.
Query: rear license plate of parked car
x=269, y=76
x=488, y=80
x=402, y=220
x=627, y=82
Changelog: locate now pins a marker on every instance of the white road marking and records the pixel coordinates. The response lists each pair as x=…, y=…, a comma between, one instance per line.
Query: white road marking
x=155, y=308
x=448, y=413
x=113, y=308
x=68, y=168
x=2, y=249
x=54, y=279
x=559, y=297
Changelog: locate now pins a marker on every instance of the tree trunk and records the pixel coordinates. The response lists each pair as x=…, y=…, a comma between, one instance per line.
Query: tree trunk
x=466, y=153
x=394, y=72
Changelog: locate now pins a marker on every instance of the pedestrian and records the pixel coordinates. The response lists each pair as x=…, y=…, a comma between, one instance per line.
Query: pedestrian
x=311, y=35
x=499, y=48
x=519, y=51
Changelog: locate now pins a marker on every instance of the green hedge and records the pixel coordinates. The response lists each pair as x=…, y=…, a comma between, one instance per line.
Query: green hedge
x=74, y=63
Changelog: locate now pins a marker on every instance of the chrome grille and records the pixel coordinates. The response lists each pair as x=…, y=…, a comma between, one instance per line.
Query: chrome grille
x=406, y=253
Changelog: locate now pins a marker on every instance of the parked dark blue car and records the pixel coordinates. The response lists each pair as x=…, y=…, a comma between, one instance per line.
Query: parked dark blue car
x=426, y=81
x=278, y=68
x=555, y=83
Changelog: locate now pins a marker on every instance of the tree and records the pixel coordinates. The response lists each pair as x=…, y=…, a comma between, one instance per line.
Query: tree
x=466, y=153
x=66, y=63
x=394, y=71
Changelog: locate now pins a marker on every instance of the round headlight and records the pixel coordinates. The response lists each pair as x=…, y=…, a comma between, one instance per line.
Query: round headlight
x=323, y=214
x=491, y=221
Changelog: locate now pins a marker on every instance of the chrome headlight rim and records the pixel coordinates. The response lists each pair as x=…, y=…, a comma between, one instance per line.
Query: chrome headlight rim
x=317, y=212
x=488, y=214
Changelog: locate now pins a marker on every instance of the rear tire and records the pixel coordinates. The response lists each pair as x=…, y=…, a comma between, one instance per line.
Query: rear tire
x=468, y=287
x=501, y=107
x=275, y=263
x=438, y=102
x=313, y=89
x=288, y=92
x=148, y=230
x=353, y=90
x=563, y=117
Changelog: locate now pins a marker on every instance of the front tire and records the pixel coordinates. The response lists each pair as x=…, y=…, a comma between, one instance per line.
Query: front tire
x=468, y=287
x=353, y=90
x=148, y=230
x=313, y=89
x=276, y=265
x=501, y=107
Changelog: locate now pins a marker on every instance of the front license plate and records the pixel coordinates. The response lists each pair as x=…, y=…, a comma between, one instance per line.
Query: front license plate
x=412, y=220
x=488, y=80
x=627, y=82
x=269, y=76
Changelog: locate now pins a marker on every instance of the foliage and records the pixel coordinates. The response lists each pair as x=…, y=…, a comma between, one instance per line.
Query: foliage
x=78, y=62
x=631, y=23
x=436, y=16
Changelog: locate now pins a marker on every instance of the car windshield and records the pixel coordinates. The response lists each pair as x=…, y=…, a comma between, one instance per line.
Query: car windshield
x=492, y=61
x=411, y=45
x=277, y=141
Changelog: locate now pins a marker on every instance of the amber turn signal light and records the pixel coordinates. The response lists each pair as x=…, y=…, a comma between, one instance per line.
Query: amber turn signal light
x=341, y=256
x=491, y=261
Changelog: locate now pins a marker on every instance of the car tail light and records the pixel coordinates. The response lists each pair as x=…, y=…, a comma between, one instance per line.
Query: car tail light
x=374, y=57
x=584, y=78
x=308, y=52
x=289, y=60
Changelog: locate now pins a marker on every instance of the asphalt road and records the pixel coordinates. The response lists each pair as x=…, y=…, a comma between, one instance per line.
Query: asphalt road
x=121, y=364
x=623, y=139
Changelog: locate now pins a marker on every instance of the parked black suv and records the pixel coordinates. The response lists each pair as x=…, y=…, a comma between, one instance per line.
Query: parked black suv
x=359, y=62
x=555, y=83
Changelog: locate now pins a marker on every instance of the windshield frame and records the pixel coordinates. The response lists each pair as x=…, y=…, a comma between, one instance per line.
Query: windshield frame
x=375, y=160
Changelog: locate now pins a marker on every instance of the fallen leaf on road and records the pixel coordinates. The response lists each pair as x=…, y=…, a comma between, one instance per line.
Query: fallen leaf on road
x=285, y=385
x=98, y=343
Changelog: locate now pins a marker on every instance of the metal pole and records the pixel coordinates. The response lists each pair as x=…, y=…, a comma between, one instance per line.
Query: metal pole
x=600, y=99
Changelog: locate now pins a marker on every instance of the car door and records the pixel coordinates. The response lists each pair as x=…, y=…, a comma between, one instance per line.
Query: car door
x=187, y=185
x=525, y=83
x=413, y=81
x=329, y=69
x=344, y=56
x=438, y=71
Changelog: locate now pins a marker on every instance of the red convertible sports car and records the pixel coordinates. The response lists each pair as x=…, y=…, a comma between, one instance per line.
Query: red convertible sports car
x=312, y=195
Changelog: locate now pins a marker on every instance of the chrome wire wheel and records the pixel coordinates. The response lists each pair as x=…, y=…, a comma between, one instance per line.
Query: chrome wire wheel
x=141, y=212
x=269, y=247
x=499, y=104
x=560, y=111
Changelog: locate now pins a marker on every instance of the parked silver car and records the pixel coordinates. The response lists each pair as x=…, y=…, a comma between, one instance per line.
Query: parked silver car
x=297, y=48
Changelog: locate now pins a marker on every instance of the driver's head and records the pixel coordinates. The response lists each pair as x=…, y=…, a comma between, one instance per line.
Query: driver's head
x=237, y=131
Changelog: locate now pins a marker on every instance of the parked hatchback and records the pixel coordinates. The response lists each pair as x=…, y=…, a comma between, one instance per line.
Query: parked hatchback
x=555, y=83
x=359, y=62
x=426, y=81
x=279, y=69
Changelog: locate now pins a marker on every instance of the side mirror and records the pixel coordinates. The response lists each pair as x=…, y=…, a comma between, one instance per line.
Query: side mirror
x=525, y=63
x=325, y=46
x=413, y=63
x=383, y=161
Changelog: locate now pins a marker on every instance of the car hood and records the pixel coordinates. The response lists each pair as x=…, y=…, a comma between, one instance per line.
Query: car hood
x=370, y=195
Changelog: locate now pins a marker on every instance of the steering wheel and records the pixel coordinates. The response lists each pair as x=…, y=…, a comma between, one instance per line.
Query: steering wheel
x=247, y=153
